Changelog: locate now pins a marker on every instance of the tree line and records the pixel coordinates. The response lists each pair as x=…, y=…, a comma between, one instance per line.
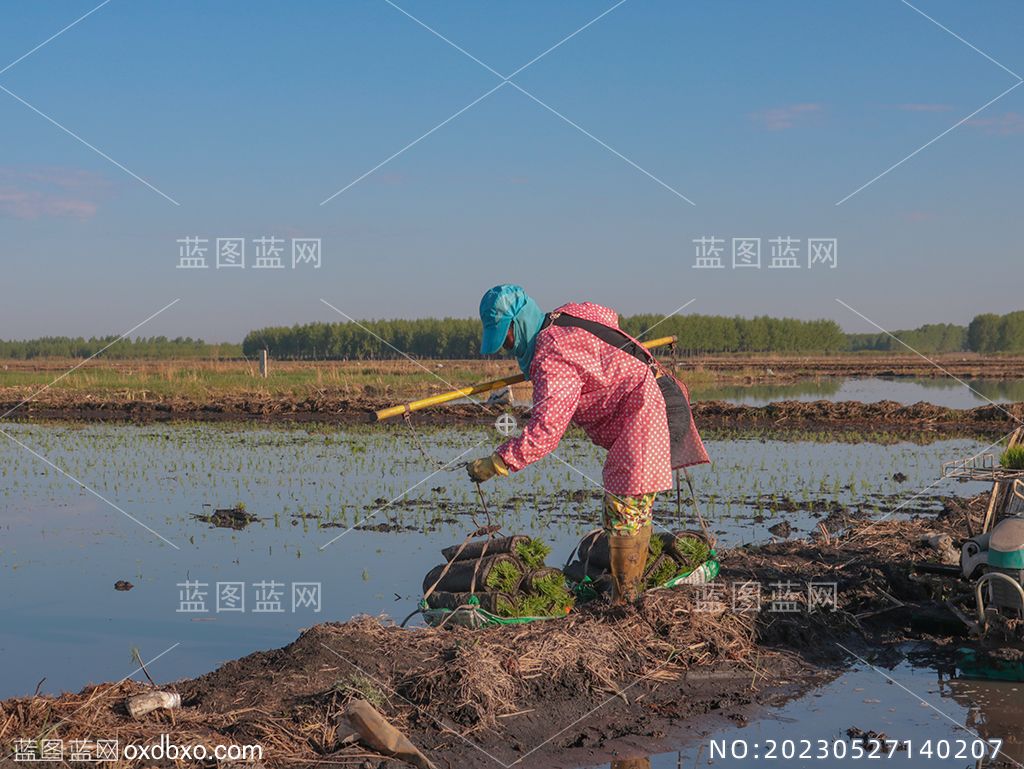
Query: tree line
x=987, y=333
x=146, y=348
x=932, y=337
x=453, y=338
x=459, y=338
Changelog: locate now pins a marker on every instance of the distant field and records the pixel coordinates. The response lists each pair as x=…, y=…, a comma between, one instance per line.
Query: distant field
x=141, y=380
x=206, y=380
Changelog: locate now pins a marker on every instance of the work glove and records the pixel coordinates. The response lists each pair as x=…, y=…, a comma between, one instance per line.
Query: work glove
x=484, y=469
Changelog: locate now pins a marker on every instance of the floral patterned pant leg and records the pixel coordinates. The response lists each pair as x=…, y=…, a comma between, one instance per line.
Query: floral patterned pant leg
x=625, y=516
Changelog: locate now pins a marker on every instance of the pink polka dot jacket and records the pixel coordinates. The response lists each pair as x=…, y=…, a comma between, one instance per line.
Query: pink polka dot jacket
x=611, y=395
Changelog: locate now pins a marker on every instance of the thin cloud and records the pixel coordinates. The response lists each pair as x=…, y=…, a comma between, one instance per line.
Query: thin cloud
x=1007, y=124
x=924, y=107
x=22, y=204
x=50, y=192
x=781, y=118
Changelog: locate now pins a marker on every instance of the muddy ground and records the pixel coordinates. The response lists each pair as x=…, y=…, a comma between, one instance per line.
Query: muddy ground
x=355, y=404
x=881, y=417
x=562, y=692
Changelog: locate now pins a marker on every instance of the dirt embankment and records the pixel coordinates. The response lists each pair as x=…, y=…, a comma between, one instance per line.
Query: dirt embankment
x=881, y=416
x=349, y=392
x=565, y=690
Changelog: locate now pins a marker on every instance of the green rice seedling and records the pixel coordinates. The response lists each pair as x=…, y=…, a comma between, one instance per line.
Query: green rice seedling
x=654, y=550
x=657, y=546
x=557, y=604
x=553, y=589
x=532, y=606
x=665, y=571
x=524, y=606
x=509, y=608
x=532, y=553
x=693, y=551
x=1013, y=458
x=504, y=577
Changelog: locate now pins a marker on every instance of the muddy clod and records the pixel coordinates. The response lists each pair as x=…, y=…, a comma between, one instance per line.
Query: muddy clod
x=229, y=518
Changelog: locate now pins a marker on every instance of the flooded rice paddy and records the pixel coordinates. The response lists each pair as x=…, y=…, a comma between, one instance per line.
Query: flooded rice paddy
x=349, y=521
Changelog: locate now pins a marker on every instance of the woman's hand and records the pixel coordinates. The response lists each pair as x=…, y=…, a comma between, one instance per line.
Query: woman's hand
x=484, y=469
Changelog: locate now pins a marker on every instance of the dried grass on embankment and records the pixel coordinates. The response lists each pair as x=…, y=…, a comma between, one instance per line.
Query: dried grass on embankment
x=437, y=684
x=288, y=699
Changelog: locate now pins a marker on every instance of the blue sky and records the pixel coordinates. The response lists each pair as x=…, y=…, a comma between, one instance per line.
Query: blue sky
x=249, y=114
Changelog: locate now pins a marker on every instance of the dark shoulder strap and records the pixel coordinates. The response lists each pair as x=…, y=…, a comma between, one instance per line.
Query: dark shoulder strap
x=613, y=336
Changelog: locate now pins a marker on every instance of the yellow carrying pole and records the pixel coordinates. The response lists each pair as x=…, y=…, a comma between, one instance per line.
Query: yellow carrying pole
x=494, y=384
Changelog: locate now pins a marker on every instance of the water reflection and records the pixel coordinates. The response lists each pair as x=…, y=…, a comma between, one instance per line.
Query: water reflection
x=928, y=706
x=940, y=391
x=995, y=710
x=811, y=389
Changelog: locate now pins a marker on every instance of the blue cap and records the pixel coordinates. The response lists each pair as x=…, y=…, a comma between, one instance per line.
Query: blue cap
x=498, y=308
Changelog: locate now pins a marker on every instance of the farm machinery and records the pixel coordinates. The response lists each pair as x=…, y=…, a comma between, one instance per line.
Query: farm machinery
x=991, y=561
